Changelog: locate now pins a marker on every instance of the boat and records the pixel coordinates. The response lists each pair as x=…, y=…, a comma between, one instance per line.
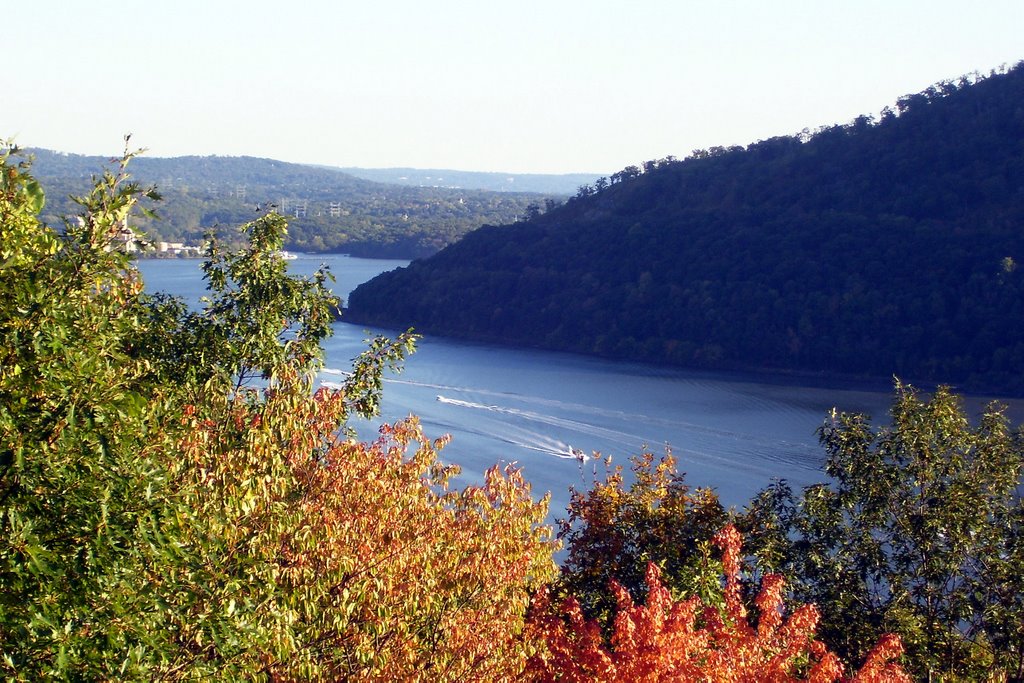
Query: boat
x=286, y=255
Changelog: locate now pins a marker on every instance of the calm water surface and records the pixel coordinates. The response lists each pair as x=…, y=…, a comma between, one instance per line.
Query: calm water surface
x=536, y=408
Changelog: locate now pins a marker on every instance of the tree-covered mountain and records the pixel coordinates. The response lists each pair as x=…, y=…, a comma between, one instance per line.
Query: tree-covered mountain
x=329, y=211
x=878, y=247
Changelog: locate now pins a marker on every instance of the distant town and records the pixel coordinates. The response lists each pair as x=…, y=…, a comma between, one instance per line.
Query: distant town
x=128, y=241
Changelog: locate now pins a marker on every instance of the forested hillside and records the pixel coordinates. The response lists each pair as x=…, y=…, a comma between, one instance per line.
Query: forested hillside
x=328, y=210
x=878, y=247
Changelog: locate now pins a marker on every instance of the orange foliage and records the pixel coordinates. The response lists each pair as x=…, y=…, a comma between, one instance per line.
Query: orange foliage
x=356, y=559
x=668, y=640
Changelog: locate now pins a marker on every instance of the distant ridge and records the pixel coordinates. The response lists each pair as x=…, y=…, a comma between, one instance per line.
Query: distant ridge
x=543, y=183
x=879, y=247
x=329, y=210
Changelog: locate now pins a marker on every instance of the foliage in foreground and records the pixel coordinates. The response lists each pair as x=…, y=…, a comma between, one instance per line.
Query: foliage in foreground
x=687, y=640
x=85, y=430
x=176, y=502
x=349, y=556
x=163, y=518
x=613, y=531
x=921, y=532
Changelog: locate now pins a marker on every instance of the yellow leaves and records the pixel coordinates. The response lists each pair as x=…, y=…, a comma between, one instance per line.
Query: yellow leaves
x=388, y=574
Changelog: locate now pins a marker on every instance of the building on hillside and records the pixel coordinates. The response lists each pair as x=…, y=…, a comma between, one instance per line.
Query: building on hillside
x=125, y=240
x=177, y=249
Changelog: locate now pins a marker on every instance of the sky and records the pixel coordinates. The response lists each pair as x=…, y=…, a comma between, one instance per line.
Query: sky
x=552, y=86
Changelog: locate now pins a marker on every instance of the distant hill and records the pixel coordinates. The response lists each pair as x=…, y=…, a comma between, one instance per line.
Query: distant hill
x=549, y=184
x=879, y=247
x=329, y=210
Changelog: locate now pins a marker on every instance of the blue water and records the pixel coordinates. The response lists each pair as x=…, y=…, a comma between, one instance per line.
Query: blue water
x=539, y=409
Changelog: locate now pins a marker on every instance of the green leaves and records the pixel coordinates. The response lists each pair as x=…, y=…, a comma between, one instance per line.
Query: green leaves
x=364, y=385
x=915, y=534
x=257, y=319
x=613, y=532
x=35, y=197
x=82, y=427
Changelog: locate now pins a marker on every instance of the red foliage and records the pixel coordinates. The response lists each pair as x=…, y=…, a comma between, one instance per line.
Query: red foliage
x=669, y=640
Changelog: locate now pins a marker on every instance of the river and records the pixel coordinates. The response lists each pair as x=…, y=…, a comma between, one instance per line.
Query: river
x=730, y=432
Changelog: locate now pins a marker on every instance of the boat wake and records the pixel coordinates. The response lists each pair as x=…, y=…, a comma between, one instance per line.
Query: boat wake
x=629, y=441
x=558, y=423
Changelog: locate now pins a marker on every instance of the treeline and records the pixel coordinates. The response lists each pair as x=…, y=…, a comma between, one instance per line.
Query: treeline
x=179, y=502
x=551, y=184
x=329, y=211
x=872, y=248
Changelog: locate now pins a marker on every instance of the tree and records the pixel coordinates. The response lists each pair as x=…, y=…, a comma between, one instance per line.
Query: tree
x=324, y=558
x=613, y=531
x=176, y=501
x=630, y=172
x=918, y=533
x=688, y=640
x=84, y=426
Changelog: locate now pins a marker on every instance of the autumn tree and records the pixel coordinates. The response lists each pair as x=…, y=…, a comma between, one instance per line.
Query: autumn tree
x=326, y=558
x=176, y=501
x=688, y=640
x=919, y=533
x=613, y=530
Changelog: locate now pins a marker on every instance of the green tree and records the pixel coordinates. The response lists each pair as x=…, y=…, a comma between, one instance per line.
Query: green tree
x=919, y=533
x=614, y=530
x=83, y=433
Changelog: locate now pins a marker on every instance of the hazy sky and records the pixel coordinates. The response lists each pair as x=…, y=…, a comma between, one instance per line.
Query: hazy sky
x=553, y=86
